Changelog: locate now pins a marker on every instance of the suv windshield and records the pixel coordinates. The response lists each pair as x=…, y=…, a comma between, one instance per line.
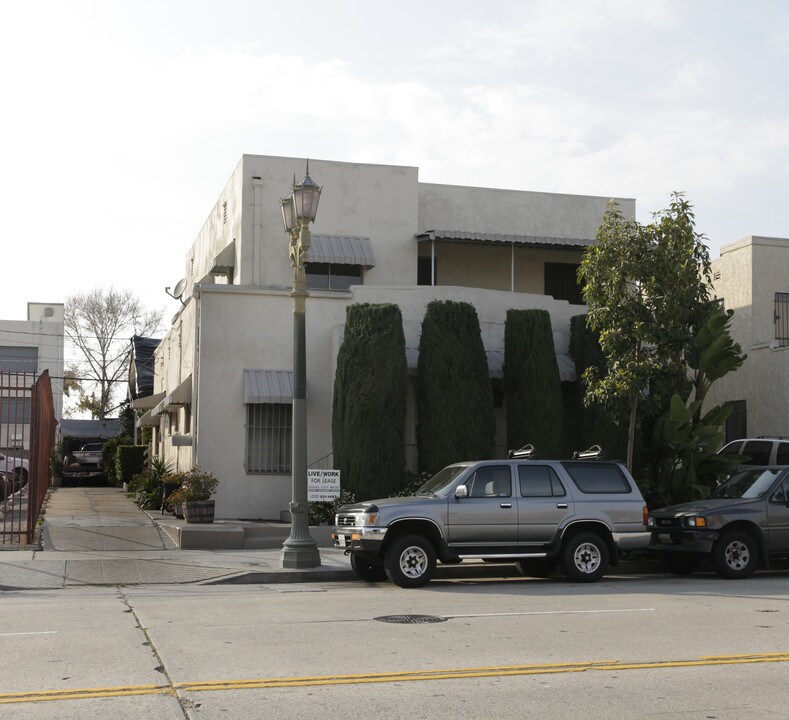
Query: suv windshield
x=748, y=485
x=440, y=482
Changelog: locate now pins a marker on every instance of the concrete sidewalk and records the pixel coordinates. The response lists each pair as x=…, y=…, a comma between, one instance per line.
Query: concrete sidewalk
x=97, y=536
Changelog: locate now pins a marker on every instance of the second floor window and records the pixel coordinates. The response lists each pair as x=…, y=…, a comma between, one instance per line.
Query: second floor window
x=782, y=319
x=561, y=281
x=333, y=276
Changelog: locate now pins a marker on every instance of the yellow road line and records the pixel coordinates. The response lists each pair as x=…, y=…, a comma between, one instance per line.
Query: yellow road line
x=402, y=676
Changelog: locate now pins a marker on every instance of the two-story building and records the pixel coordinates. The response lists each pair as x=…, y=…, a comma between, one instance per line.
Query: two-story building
x=751, y=277
x=223, y=373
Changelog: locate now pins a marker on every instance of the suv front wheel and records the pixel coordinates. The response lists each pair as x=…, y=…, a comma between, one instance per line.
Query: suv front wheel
x=410, y=561
x=735, y=555
x=585, y=557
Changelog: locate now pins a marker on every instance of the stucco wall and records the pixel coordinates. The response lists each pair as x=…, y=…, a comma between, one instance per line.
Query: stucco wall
x=746, y=276
x=452, y=207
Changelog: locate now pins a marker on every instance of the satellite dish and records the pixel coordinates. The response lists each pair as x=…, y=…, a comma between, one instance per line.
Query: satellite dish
x=178, y=290
x=180, y=286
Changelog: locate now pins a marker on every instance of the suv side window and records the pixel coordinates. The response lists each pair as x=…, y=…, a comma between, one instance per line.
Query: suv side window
x=490, y=481
x=758, y=451
x=539, y=481
x=782, y=454
x=597, y=477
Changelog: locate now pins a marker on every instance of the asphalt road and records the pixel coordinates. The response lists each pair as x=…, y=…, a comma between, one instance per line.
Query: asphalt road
x=628, y=647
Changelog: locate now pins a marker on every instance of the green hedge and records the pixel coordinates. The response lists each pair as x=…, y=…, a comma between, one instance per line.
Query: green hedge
x=454, y=396
x=369, y=408
x=130, y=461
x=109, y=458
x=532, y=384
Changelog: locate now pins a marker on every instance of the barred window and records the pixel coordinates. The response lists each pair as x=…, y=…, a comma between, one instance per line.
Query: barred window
x=269, y=429
x=782, y=319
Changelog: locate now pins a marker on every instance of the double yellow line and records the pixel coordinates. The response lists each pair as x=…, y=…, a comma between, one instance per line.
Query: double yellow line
x=406, y=676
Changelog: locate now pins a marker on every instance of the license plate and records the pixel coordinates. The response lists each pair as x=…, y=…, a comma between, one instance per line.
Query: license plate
x=341, y=541
x=665, y=538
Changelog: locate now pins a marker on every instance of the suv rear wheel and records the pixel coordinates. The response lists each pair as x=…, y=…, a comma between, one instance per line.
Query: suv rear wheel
x=585, y=557
x=735, y=555
x=410, y=561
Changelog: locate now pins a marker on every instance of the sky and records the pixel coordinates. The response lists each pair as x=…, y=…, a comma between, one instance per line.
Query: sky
x=121, y=122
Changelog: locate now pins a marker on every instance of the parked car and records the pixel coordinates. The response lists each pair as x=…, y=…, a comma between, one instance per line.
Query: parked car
x=535, y=513
x=740, y=527
x=16, y=466
x=762, y=450
x=85, y=462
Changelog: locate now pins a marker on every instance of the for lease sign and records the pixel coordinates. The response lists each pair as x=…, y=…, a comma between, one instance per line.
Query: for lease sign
x=323, y=485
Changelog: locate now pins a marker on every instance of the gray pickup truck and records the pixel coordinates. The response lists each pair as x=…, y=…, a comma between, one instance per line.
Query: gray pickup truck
x=535, y=513
x=85, y=462
x=740, y=527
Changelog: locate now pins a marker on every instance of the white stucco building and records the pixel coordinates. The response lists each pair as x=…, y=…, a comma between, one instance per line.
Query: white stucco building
x=751, y=276
x=27, y=349
x=223, y=372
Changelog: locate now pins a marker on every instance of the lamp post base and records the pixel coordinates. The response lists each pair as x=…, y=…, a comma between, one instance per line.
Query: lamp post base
x=299, y=554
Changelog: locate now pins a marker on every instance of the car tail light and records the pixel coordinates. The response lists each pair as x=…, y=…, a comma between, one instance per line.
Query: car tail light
x=645, y=515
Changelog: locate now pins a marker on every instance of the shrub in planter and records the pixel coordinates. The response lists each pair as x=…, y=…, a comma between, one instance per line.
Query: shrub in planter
x=194, y=493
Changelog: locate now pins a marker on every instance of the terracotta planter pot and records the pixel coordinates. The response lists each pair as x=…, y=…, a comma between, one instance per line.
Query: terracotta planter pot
x=199, y=511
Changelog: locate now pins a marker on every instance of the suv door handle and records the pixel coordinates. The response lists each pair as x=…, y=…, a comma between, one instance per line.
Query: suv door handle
x=561, y=506
x=505, y=505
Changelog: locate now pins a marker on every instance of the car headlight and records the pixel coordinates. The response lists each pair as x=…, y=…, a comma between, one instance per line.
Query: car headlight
x=695, y=521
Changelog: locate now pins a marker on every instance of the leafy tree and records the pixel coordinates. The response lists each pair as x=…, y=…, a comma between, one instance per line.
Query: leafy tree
x=454, y=397
x=595, y=424
x=647, y=292
x=99, y=324
x=532, y=383
x=685, y=440
x=370, y=385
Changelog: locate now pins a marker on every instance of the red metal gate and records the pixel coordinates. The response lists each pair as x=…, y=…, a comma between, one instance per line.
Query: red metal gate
x=27, y=435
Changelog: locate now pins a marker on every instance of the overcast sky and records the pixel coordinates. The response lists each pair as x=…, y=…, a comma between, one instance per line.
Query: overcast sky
x=122, y=121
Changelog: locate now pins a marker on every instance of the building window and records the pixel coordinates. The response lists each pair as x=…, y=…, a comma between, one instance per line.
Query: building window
x=737, y=424
x=561, y=281
x=332, y=276
x=424, y=272
x=782, y=319
x=269, y=428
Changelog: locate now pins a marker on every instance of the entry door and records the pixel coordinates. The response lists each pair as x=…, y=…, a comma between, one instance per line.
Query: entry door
x=543, y=503
x=489, y=515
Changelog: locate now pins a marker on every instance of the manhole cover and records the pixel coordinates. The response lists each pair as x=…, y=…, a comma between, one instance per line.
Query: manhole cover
x=411, y=619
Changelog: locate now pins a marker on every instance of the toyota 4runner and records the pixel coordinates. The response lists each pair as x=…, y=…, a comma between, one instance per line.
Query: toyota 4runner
x=535, y=513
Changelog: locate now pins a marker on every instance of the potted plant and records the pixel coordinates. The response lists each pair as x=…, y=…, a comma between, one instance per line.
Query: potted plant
x=194, y=493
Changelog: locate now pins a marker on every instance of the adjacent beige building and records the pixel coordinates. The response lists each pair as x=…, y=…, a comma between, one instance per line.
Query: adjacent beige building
x=223, y=379
x=751, y=277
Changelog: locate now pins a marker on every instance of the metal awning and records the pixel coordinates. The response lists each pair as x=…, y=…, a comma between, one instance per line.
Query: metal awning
x=148, y=420
x=341, y=249
x=182, y=395
x=268, y=386
x=467, y=236
x=145, y=403
x=496, y=364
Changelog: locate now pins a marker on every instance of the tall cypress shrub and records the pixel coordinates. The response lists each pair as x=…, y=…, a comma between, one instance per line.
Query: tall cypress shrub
x=368, y=416
x=595, y=425
x=532, y=384
x=454, y=396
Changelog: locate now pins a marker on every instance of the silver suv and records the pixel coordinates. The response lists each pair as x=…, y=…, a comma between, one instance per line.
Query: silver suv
x=762, y=450
x=535, y=513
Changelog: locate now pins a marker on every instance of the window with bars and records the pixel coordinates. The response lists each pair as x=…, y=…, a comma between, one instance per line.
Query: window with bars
x=782, y=319
x=269, y=430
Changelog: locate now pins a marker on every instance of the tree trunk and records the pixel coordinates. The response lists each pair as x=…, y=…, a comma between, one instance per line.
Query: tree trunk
x=631, y=433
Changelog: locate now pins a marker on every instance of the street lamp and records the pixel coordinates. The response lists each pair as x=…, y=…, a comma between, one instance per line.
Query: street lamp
x=298, y=211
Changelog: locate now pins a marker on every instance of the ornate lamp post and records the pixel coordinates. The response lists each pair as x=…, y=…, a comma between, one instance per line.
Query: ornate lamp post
x=298, y=211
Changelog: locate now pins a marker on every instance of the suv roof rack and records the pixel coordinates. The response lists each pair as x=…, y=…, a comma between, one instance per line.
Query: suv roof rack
x=593, y=453
x=772, y=437
x=528, y=452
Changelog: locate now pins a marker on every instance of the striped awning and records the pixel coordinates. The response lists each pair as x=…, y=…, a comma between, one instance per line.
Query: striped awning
x=182, y=395
x=341, y=249
x=468, y=236
x=268, y=386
